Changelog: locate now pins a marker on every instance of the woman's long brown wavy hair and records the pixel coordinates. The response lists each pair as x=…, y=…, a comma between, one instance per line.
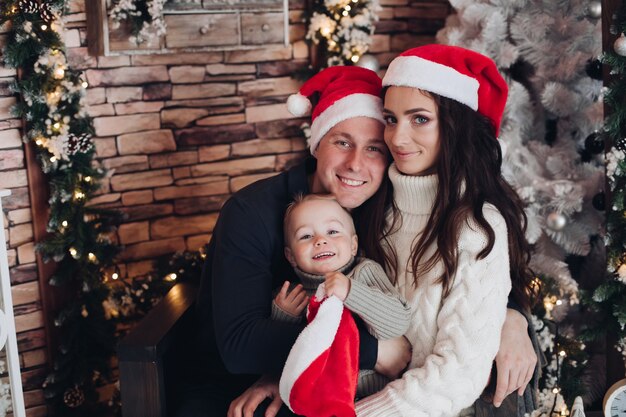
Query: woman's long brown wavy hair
x=469, y=170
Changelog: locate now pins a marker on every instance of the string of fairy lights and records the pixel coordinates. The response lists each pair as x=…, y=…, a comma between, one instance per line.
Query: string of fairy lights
x=56, y=124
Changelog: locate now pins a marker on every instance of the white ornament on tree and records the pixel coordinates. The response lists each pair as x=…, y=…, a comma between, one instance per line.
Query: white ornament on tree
x=620, y=45
x=594, y=9
x=369, y=61
x=556, y=221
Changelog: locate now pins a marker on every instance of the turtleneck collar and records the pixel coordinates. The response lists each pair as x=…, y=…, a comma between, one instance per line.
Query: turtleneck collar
x=413, y=194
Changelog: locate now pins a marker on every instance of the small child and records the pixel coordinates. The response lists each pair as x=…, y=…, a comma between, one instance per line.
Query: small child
x=321, y=245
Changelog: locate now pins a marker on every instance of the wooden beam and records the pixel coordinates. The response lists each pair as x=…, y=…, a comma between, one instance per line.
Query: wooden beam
x=50, y=296
x=96, y=23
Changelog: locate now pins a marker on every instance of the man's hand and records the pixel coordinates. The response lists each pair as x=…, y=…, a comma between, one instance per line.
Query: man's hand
x=246, y=403
x=516, y=359
x=337, y=284
x=394, y=356
x=293, y=302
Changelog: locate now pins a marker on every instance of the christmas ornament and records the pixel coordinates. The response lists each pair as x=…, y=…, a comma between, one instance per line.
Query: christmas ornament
x=594, y=143
x=369, y=61
x=598, y=201
x=73, y=397
x=594, y=69
x=585, y=155
x=620, y=45
x=594, y=9
x=556, y=221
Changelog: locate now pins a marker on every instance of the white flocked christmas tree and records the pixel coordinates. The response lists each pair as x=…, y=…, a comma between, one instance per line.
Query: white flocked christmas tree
x=551, y=143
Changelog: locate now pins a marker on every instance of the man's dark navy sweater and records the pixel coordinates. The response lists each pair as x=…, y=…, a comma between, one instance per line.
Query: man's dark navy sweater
x=245, y=263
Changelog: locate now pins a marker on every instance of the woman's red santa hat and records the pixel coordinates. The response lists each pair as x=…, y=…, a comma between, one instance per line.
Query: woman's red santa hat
x=453, y=72
x=344, y=93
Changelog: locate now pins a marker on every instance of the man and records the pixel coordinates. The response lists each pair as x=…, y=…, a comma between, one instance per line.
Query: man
x=245, y=261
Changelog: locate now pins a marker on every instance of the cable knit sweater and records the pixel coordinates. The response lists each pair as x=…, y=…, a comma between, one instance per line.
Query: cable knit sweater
x=454, y=339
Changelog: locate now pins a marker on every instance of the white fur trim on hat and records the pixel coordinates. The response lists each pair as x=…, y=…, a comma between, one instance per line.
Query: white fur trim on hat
x=314, y=340
x=354, y=105
x=416, y=72
x=298, y=105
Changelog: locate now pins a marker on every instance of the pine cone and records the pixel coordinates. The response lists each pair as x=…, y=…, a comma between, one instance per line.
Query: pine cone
x=76, y=144
x=73, y=397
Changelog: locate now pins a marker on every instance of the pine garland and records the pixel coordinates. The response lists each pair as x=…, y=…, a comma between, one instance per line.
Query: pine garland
x=342, y=29
x=52, y=106
x=609, y=299
x=145, y=18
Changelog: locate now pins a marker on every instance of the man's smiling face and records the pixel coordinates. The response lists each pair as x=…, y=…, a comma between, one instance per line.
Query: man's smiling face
x=351, y=161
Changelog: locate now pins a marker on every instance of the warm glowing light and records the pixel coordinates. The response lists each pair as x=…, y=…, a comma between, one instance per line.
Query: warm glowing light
x=53, y=159
x=79, y=195
x=559, y=302
x=57, y=125
x=331, y=43
x=115, y=275
x=325, y=31
x=555, y=390
x=344, y=13
x=87, y=178
x=39, y=142
x=171, y=277
x=348, y=8
x=92, y=257
x=73, y=252
x=59, y=73
x=355, y=58
x=562, y=353
x=64, y=223
x=44, y=27
x=85, y=84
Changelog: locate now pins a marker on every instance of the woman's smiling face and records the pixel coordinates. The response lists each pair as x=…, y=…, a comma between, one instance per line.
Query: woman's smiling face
x=412, y=130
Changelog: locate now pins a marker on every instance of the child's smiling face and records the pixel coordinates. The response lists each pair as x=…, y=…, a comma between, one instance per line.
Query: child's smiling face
x=320, y=236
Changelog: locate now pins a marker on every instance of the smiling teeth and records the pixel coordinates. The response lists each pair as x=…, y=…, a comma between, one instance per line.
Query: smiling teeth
x=352, y=182
x=319, y=255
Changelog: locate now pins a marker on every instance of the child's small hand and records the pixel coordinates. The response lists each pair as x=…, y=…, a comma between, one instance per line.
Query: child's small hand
x=337, y=284
x=293, y=302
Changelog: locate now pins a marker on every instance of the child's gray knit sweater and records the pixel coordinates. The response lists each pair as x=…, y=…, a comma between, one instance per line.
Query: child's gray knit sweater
x=373, y=298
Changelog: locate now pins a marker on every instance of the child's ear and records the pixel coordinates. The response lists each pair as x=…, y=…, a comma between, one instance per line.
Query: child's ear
x=290, y=257
x=355, y=245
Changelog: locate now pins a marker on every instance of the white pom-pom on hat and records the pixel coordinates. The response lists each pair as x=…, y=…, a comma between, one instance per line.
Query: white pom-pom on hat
x=298, y=105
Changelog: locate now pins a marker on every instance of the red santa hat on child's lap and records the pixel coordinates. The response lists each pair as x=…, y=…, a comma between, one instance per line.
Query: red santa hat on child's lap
x=344, y=92
x=320, y=375
x=453, y=72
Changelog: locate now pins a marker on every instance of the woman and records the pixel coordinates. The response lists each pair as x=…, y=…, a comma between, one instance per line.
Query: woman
x=453, y=234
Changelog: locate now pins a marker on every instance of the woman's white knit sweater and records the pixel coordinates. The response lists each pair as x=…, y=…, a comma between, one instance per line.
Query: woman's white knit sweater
x=454, y=339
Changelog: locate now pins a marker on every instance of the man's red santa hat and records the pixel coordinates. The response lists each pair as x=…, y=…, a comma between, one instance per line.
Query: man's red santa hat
x=320, y=375
x=453, y=72
x=344, y=92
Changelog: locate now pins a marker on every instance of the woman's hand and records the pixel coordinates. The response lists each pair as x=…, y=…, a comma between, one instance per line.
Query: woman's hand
x=247, y=403
x=394, y=356
x=516, y=359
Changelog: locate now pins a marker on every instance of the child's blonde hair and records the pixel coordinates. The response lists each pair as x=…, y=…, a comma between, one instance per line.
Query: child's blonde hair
x=299, y=199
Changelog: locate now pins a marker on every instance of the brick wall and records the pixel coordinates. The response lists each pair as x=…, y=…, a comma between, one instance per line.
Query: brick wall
x=179, y=134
